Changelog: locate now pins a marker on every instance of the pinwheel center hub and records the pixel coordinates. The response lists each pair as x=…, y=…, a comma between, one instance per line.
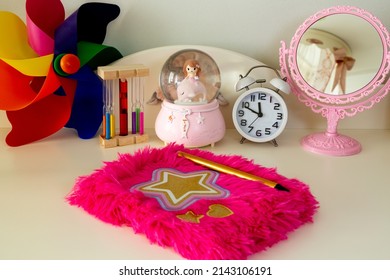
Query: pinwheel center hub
x=66, y=64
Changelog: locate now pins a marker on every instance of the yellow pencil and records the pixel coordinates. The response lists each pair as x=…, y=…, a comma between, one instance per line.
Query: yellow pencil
x=230, y=170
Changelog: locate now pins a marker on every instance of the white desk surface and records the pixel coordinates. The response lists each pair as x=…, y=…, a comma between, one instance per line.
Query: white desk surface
x=353, y=221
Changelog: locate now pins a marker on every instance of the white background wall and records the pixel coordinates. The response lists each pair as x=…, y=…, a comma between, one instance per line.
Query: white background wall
x=252, y=27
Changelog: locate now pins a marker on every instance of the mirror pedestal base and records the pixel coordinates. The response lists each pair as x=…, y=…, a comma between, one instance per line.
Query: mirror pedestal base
x=331, y=144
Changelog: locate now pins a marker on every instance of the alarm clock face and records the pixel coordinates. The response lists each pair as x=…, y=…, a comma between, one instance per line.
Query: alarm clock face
x=260, y=114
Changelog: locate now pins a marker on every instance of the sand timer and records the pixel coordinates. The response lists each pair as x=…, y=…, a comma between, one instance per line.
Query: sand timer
x=123, y=99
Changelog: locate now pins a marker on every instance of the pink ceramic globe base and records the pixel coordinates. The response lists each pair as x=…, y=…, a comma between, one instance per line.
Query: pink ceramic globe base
x=190, y=125
x=331, y=144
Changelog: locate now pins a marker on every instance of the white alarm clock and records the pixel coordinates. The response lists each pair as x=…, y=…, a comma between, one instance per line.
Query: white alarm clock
x=260, y=114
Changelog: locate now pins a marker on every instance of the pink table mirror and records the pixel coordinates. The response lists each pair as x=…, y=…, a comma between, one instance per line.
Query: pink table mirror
x=337, y=64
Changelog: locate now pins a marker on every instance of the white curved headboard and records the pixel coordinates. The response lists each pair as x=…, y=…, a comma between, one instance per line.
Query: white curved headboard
x=230, y=64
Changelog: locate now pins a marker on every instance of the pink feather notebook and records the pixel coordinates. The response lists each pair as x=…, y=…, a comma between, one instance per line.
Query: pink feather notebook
x=200, y=213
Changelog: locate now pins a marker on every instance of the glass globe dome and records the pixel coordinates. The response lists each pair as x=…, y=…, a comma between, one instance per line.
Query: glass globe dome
x=190, y=77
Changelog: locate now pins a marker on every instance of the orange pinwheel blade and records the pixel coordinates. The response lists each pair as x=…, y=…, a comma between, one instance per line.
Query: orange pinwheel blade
x=42, y=118
x=18, y=91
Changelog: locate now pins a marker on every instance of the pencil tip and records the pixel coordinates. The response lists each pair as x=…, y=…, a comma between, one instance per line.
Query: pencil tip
x=281, y=188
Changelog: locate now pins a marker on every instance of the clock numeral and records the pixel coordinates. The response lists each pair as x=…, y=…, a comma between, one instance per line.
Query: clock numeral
x=270, y=99
x=259, y=133
x=268, y=131
x=250, y=128
x=262, y=96
x=243, y=122
x=279, y=116
x=241, y=113
x=245, y=104
x=276, y=125
x=253, y=98
x=277, y=106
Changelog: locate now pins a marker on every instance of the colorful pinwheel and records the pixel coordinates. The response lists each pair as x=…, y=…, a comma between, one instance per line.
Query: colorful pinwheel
x=47, y=78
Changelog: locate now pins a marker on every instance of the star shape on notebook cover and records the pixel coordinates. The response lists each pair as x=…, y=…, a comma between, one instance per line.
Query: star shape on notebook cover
x=176, y=190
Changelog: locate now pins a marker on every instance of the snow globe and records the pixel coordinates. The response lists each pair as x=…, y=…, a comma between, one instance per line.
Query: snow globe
x=190, y=81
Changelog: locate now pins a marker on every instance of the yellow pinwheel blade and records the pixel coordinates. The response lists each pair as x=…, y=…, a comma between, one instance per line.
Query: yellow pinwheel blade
x=13, y=38
x=37, y=66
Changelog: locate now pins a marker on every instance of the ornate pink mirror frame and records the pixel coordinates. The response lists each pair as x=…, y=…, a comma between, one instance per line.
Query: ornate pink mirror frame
x=335, y=107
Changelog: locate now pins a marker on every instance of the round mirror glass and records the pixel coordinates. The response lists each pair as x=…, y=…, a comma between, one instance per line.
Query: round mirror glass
x=333, y=60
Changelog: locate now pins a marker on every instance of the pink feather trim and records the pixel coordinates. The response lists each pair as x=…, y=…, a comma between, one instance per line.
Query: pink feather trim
x=261, y=216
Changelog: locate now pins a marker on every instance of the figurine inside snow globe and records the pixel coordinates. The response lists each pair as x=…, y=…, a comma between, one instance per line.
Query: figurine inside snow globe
x=190, y=82
x=191, y=89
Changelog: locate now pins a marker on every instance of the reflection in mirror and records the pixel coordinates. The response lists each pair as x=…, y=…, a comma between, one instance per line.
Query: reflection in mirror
x=334, y=60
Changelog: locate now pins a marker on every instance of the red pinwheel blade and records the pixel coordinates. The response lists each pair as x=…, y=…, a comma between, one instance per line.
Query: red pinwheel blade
x=43, y=17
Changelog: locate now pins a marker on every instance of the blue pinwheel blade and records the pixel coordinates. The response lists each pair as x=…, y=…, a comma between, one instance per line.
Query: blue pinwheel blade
x=86, y=115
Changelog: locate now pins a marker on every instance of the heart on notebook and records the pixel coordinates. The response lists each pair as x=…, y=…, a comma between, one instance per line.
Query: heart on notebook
x=219, y=211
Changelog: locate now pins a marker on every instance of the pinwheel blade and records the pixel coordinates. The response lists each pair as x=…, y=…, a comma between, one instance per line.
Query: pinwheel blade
x=87, y=107
x=13, y=38
x=42, y=118
x=43, y=18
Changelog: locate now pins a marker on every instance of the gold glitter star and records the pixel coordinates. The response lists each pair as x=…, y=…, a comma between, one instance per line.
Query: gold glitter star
x=176, y=190
x=190, y=217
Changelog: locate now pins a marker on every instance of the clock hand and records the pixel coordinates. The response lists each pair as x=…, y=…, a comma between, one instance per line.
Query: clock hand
x=253, y=122
x=259, y=114
x=246, y=106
